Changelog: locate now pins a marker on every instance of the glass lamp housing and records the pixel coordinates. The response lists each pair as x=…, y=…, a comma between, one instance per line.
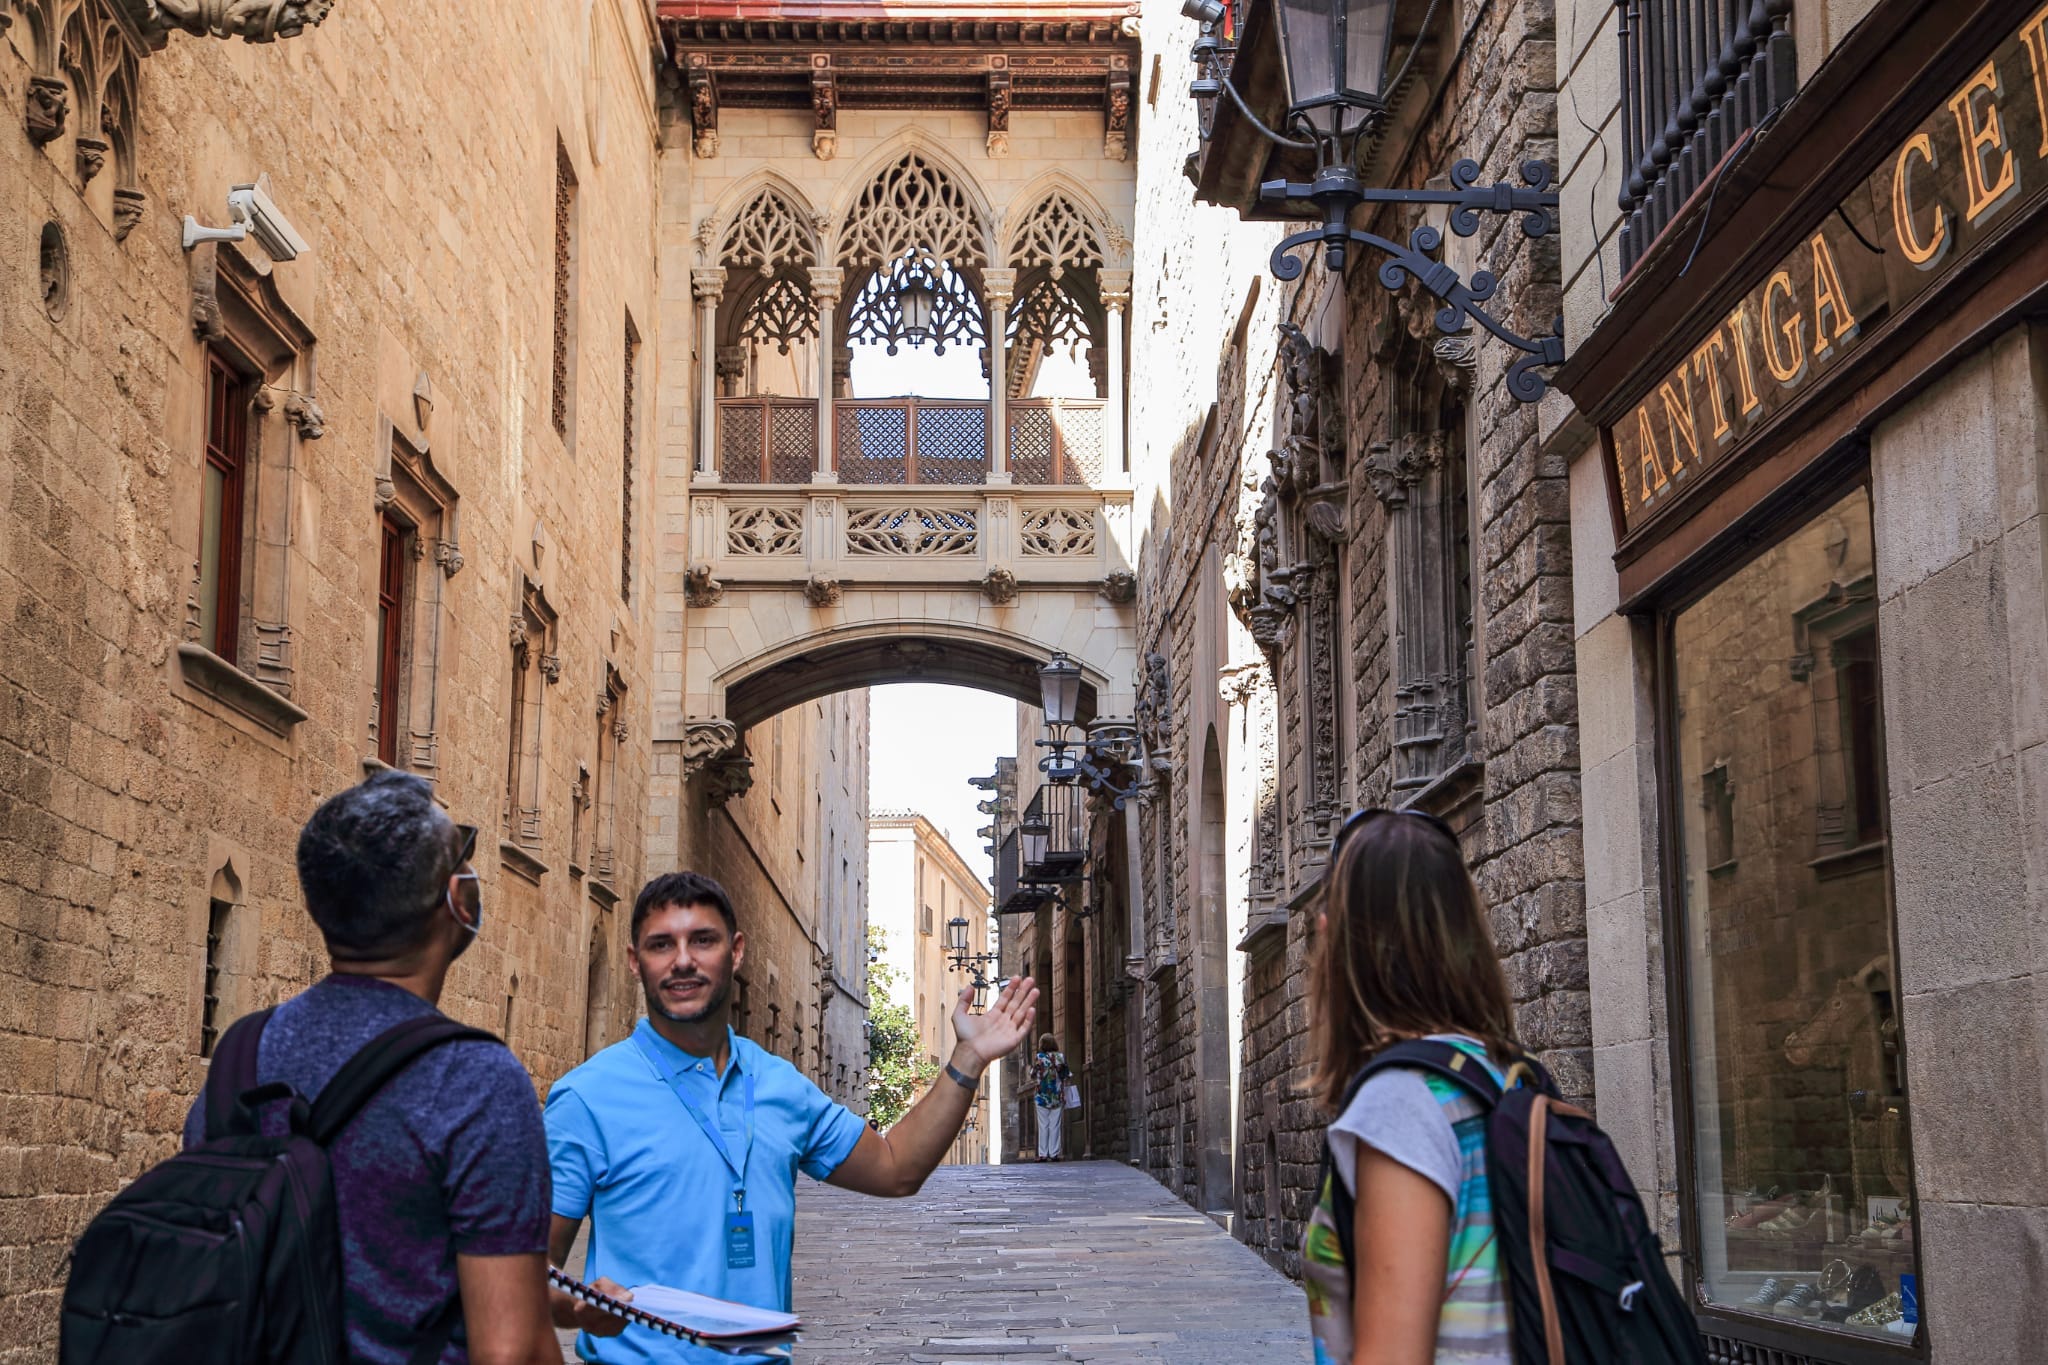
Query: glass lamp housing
x=1059, y=688
x=1333, y=54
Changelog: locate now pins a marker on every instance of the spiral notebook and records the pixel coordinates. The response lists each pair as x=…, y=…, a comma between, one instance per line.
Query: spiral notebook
x=716, y=1324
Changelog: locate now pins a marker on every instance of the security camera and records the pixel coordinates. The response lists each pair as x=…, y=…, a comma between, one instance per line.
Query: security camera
x=253, y=212
x=1203, y=11
x=251, y=204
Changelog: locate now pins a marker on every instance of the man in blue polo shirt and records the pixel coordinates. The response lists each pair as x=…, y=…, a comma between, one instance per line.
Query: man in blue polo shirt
x=682, y=1143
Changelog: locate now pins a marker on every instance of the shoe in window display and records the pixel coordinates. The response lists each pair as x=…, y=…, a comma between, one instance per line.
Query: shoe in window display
x=1767, y=1294
x=1863, y=1287
x=1790, y=1223
x=1763, y=1211
x=1889, y=1309
x=1798, y=1303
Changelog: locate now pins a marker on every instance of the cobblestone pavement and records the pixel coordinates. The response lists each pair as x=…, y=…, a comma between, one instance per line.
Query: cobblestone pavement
x=1089, y=1261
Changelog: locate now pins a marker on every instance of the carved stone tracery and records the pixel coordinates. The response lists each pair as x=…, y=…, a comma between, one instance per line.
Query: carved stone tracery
x=913, y=207
x=768, y=235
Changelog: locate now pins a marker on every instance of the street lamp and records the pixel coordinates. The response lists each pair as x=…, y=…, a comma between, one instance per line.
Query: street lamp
x=1334, y=64
x=956, y=935
x=1059, y=689
x=919, y=301
x=1034, y=834
x=1333, y=54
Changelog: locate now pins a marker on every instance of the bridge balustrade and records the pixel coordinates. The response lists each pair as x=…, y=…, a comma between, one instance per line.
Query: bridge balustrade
x=1053, y=442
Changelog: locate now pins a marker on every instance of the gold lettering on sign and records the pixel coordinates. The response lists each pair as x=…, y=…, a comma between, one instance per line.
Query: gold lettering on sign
x=1651, y=463
x=2035, y=36
x=1828, y=294
x=1738, y=327
x=1704, y=360
x=1977, y=136
x=1793, y=328
x=1917, y=251
x=1684, y=426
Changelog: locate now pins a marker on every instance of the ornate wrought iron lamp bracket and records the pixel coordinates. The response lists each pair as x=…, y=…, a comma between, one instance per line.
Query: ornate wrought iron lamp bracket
x=1337, y=190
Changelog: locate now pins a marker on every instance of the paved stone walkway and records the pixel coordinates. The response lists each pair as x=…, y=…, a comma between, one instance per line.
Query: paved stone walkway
x=1086, y=1261
x=1089, y=1261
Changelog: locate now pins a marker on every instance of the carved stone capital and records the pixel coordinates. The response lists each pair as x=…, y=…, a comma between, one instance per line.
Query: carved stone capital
x=707, y=286
x=999, y=286
x=47, y=106
x=706, y=738
x=551, y=668
x=521, y=640
x=1116, y=290
x=385, y=493
x=700, y=589
x=448, y=555
x=1457, y=359
x=827, y=281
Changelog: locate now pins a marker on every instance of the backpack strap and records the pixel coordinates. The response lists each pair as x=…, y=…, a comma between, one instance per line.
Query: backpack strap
x=380, y=1059
x=232, y=1072
x=1440, y=1059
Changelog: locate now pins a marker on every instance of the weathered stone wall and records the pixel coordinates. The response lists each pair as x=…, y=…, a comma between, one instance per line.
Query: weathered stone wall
x=415, y=149
x=792, y=853
x=1309, y=687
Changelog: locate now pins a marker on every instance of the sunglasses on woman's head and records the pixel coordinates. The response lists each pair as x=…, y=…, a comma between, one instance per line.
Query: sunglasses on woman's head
x=1358, y=819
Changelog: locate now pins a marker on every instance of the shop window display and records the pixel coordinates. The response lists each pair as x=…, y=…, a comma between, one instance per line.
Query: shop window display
x=1802, y=1166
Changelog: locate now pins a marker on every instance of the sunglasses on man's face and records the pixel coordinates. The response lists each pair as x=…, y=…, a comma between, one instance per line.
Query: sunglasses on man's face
x=465, y=843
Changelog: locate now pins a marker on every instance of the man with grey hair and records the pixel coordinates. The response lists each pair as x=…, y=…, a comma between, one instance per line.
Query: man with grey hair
x=441, y=1177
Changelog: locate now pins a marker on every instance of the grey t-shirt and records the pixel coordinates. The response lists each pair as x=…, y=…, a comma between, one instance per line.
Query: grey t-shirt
x=449, y=1157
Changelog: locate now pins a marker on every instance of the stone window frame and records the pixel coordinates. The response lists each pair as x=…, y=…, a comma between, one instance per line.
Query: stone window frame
x=612, y=733
x=536, y=668
x=224, y=933
x=239, y=315
x=412, y=492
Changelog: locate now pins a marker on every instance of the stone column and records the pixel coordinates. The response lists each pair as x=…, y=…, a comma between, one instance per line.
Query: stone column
x=1116, y=301
x=825, y=288
x=708, y=287
x=998, y=287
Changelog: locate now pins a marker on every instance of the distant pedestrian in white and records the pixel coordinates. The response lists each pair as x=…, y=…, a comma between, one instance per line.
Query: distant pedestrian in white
x=1050, y=1075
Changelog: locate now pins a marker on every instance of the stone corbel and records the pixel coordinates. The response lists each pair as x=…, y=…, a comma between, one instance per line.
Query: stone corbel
x=448, y=555
x=822, y=590
x=128, y=209
x=207, y=322
x=999, y=586
x=253, y=21
x=703, y=106
x=1120, y=587
x=700, y=588
x=303, y=412
x=551, y=668
x=728, y=777
x=999, y=107
x=90, y=153
x=47, y=106
x=706, y=738
x=824, y=108
x=1116, y=135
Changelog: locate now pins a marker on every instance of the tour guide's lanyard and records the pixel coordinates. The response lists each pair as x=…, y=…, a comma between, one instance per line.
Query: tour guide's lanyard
x=738, y=1168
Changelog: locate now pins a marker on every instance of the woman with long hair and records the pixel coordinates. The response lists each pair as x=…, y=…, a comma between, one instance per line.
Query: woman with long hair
x=1405, y=953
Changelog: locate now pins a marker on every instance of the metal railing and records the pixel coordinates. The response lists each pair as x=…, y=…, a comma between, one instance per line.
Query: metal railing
x=1054, y=442
x=1696, y=75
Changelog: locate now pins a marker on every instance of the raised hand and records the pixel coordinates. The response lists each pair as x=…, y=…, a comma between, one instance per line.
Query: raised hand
x=1002, y=1026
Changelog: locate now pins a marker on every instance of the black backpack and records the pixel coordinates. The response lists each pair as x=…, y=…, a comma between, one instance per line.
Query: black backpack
x=1585, y=1277
x=230, y=1252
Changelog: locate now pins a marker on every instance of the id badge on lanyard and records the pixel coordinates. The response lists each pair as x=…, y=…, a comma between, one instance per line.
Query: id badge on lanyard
x=739, y=1220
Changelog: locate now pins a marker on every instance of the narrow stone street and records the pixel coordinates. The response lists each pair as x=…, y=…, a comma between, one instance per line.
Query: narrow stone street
x=1091, y=1261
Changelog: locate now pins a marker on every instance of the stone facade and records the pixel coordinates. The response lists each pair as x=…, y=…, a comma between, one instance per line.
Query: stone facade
x=785, y=833
x=919, y=884
x=1355, y=589
x=396, y=372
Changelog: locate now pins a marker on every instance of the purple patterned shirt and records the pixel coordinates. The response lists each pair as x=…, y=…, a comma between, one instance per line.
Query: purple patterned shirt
x=449, y=1158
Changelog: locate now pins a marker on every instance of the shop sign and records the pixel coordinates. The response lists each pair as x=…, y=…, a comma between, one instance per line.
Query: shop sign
x=1974, y=163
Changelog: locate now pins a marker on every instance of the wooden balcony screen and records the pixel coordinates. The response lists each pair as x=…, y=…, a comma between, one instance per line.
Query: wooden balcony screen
x=767, y=440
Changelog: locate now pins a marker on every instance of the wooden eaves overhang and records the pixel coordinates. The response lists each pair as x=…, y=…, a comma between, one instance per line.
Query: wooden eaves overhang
x=825, y=55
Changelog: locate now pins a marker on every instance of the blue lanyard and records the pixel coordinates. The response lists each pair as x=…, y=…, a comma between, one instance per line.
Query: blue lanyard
x=717, y=1139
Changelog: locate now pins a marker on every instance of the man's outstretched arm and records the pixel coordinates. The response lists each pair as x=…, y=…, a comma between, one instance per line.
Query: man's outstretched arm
x=896, y=1163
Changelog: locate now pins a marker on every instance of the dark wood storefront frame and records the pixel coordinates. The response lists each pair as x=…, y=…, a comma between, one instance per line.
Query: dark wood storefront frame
x=1825, y=482
x=1905, y=57
x=1889, y=71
